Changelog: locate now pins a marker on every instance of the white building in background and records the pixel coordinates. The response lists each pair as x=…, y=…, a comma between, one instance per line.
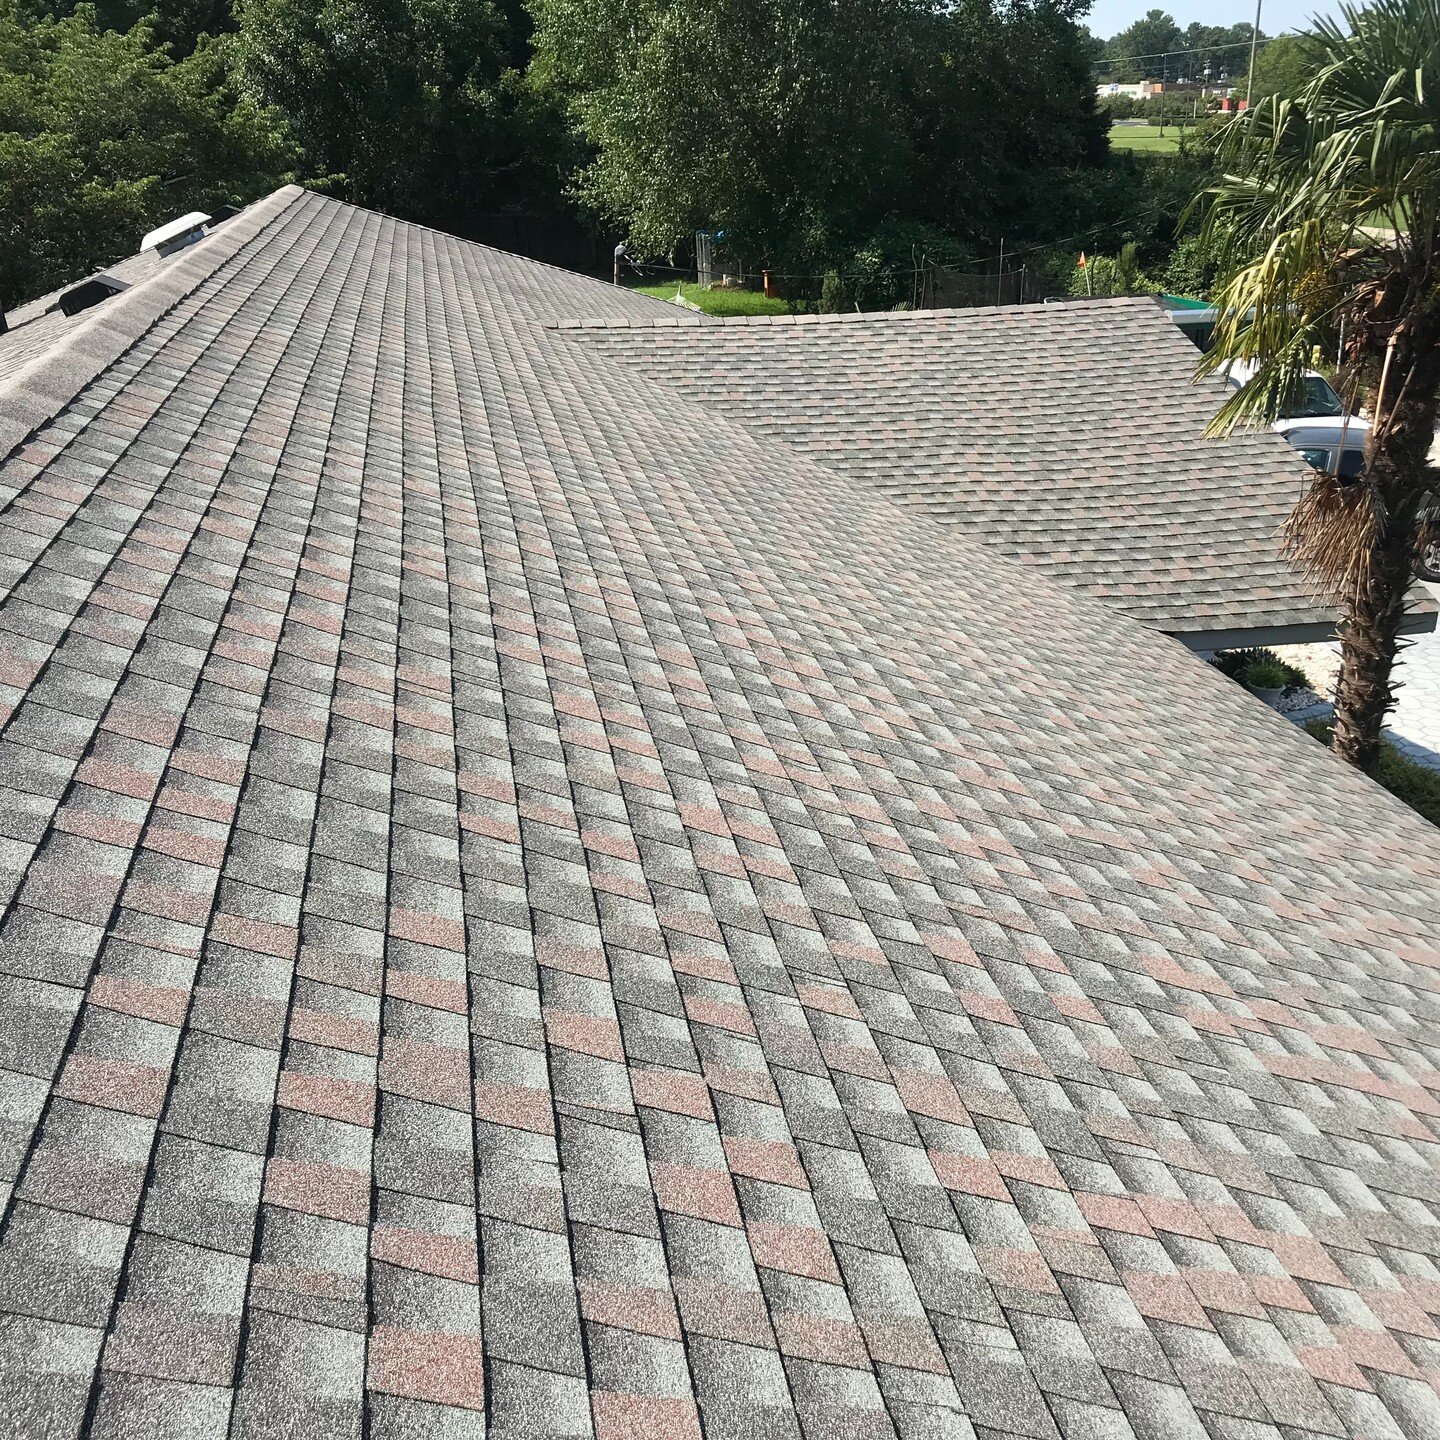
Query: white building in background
x=1140, y=90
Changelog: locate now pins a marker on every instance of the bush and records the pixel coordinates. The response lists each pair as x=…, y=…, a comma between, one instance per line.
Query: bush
x=1119, y=274
x=1237, y=665
x=1266, y=675
x=1119, y=107
x=1192, y=269
x=832, y=295
x=1416, y=785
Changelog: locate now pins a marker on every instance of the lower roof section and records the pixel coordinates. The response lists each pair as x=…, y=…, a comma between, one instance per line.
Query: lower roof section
x=1070, y=436
x=1419, y=621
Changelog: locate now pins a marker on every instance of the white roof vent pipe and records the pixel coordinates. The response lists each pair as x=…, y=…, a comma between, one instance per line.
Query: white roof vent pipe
x=177, y=234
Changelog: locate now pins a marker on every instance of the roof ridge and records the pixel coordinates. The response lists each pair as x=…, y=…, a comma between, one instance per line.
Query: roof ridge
x=40, y=389
x=689, y=319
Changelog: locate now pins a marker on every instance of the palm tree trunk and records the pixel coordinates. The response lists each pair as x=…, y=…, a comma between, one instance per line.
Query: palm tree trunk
x=1374, y=609
x=1369, y=639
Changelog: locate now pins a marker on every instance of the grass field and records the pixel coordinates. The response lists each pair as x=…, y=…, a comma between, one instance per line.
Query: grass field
x=1146, y=137
x=719, y=302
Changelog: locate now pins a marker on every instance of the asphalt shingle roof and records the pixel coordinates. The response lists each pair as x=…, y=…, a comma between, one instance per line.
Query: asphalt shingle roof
x=1070, y=436
x=535, y=912
x=40, y=325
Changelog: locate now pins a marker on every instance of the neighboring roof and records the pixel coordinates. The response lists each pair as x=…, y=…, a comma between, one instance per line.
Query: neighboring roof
x=529, y=903
x=1070, y=436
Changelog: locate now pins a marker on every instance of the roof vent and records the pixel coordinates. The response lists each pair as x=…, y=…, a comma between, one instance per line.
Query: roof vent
x=177, y=234
x=90, y=292
x=222, y=214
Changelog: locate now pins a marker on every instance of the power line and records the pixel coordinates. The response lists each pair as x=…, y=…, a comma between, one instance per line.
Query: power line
x=1175, y=54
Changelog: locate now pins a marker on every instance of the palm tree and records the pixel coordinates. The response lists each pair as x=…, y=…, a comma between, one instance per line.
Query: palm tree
x=1326, y=217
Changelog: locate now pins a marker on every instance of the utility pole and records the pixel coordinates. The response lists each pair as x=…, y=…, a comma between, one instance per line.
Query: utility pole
x=1000, y=276
x=1254, y=40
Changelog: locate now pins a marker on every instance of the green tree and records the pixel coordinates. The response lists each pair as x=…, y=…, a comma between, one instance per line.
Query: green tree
x=966, y=120
x=1092, y=47
x=1286, y=65
x=1138, y=53
x=418, y=107
x=1008, y=132
x=752, y=119
x=1306, y=265
x=176, y=23
x=103, y=135
x=1220, y=50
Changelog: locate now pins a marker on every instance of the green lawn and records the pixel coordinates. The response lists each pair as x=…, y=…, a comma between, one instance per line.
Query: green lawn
x=1146, y=137
x=719, y=302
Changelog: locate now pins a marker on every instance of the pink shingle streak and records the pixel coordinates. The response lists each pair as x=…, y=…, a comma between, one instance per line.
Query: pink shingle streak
x=537, y=905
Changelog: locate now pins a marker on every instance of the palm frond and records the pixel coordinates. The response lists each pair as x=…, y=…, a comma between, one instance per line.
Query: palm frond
x=1332, y=535
x=1320, y=193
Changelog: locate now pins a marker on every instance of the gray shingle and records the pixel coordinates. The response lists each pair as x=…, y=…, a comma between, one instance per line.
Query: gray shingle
x=535, y=902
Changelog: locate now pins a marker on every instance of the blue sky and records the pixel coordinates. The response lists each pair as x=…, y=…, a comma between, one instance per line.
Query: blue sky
x=1109, y=17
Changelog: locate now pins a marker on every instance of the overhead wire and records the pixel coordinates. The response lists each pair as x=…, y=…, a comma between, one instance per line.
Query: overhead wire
x=1193, y=50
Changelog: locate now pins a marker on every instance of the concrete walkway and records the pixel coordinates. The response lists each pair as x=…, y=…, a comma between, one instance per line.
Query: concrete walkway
x=1415, y=723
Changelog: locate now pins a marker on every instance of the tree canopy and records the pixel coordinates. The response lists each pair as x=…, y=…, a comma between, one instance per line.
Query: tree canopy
x=757, y=120
x=419, y=104
x=1156, y=48
x=850, y=136
x=103, y=134
x=1286, y=64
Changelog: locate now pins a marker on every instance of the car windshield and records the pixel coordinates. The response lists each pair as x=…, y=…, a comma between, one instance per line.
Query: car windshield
x=1352, y=460
x=1352, y=464
x=1319, y=399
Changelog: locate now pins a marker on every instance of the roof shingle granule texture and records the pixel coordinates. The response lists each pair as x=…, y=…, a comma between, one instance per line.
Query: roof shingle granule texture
x=533, y=912
x=1069, y=436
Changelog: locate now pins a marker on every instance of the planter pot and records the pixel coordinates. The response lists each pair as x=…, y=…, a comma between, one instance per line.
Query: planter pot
x=1265, y=693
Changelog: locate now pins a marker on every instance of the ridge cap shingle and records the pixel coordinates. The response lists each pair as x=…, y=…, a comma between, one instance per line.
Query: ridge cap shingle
x=40, y=389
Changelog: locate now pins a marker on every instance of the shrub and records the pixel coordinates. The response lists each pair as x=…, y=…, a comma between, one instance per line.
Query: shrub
x=1118, y=274
x=833, y=298
x=1266, y=675
x=1237, y=664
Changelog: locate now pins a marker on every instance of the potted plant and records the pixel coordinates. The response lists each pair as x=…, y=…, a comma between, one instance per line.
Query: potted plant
x=1267, y=679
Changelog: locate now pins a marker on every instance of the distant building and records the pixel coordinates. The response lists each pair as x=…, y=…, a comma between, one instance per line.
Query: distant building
x=1141, y=90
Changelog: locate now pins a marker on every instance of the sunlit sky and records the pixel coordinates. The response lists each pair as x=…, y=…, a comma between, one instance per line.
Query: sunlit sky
x=1109, y=17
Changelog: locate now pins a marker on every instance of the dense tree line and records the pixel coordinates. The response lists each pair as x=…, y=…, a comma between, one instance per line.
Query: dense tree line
x=850, y=137
x=105, y=131
x=945, y=126
x=1156, y=48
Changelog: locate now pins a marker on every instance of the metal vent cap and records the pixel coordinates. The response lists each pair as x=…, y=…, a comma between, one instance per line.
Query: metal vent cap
x=177, y=234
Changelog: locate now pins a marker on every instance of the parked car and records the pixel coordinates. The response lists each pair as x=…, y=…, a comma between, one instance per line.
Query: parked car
x=1336, y=446
x=1318, y=402
x=1427, y=558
